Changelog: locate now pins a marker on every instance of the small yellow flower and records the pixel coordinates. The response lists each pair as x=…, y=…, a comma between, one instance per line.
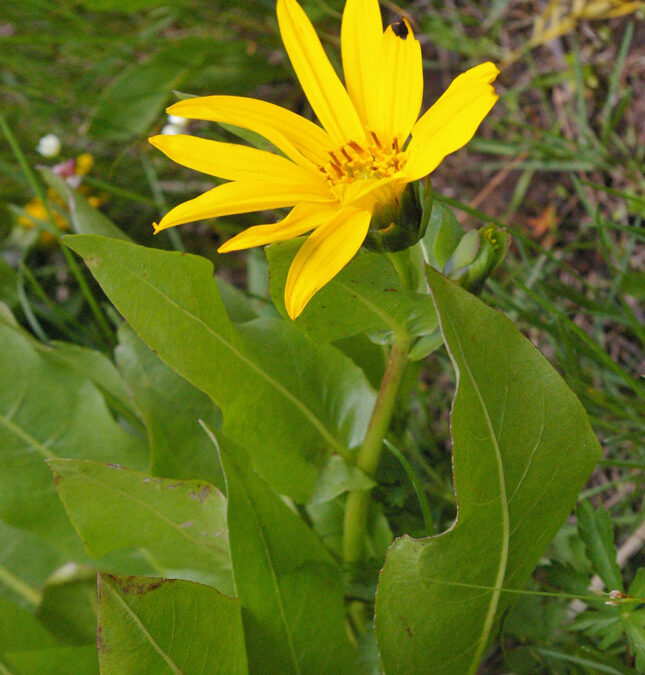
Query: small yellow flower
x=369, y=147
x=84, y=162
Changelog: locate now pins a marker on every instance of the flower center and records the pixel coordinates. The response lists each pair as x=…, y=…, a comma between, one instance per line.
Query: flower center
x=354, y=162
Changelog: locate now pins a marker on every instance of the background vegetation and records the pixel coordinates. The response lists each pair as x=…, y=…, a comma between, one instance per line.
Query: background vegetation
x=559, y=162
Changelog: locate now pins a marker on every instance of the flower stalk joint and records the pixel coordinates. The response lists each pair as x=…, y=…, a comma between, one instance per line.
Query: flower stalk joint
x=402, y=222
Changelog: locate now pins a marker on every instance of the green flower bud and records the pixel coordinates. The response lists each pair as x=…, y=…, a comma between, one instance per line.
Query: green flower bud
x=478, y=253
x=466, y=257
x=463, y=256
x=401, y=223
x=442, y=236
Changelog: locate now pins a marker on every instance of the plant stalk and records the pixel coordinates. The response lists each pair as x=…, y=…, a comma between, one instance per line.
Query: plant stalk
x=369, y=455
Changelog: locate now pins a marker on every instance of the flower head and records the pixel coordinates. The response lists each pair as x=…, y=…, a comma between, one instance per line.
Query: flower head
x=370, y=144
x=49, y=146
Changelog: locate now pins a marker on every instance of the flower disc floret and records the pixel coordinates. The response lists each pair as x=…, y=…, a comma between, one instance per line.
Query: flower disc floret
x=355, y=161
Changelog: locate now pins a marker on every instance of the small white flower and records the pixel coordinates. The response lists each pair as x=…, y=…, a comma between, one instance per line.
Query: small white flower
x=177, y=121
x=171, y=130
x=49, y=145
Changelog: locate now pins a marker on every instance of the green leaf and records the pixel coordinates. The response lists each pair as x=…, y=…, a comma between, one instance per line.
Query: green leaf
x=84, y=217
x=371, y=358
x=54, y=661
x=49, y=410
x=238, y=304
x=180, y=524
x=290, y=588
x=98, y=368
x=163, y=626
x=68, y=605
x=635, y=629
x=133, y=101
x=566, y=577
x=337, y=478
x=26, y=560
x=442, y=236
x=26, y=647
x=637, y=587
x=522, y=449
x=595, y=530
x=19, y=629
x=286, y=417
x=366, y=296
x=171, y=408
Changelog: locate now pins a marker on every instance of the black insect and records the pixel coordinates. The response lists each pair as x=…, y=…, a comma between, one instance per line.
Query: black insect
x=400, y=28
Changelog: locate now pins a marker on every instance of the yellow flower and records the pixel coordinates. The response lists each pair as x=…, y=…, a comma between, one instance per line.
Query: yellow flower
x=84, y=162
x=369, y=147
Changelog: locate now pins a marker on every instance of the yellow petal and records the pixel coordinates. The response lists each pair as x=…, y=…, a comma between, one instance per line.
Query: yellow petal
x=237, y=162
x=360, y=36
x=325, y=252
x=400, y=90
x=302, y=218
x=291, y=133
x=366, y=194
x=452, y=121
x=232, y=198
x=325, y=92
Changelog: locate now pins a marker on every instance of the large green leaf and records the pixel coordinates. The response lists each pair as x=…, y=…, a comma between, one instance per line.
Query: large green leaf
x=288, y=417
x=290, y=588
x=366, y=296
x=68, y=605
x=79, y=660
x=523, y=448
x=162, y=626
x=49, y=410
x=26, y=560
x=180, y=524
x=98, y=368
x=26, y=647
x=19, y=629
x=172, y=408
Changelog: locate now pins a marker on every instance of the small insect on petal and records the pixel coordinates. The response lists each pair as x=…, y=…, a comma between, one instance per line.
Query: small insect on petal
x=400, y=29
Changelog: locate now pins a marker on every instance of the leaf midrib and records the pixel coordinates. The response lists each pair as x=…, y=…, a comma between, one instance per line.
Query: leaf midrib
x=169, y=662
x=23, y=435
x=274, y=579
x=503, y=561
x=388, y=320
x=288, y=395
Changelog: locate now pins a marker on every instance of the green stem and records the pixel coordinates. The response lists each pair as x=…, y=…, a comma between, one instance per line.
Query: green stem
x=369, y=455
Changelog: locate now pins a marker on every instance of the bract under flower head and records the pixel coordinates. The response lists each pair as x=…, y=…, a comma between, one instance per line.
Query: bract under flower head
x=370, y=144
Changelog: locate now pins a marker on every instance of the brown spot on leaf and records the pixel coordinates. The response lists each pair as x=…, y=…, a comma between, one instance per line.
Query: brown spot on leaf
x=203, y=494
x=406, y=627
x=138, y=585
